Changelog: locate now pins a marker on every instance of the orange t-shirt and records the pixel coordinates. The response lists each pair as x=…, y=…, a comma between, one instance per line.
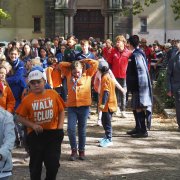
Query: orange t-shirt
x=107, y=84
x=79, y=95
x=54, y=77
x=43, y=109
x=7, y=100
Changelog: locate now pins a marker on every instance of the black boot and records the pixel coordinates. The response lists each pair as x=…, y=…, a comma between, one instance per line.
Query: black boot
x=141, y=120
x=137, y=126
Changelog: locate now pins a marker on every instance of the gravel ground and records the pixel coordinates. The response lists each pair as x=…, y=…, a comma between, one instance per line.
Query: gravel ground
x=154, y=158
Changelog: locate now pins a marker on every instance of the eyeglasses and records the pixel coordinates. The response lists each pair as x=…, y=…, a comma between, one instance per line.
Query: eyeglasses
x=34, y=82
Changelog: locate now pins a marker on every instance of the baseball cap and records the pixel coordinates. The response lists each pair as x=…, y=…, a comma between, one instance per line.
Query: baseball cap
x=167, y=45
x=103, y=65
x=36, y=75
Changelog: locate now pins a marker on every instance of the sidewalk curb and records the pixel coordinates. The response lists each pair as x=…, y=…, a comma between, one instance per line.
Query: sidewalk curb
x=169, y=113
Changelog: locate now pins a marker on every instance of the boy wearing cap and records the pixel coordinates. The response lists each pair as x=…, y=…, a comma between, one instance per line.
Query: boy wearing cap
x=107, y=103
x=42, y=111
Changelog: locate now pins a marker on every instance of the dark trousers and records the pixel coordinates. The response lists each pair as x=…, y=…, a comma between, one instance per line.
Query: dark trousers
x=45, y=148
x=177, y=104
x=121, y=98
x=140, y=121
x=106, y=122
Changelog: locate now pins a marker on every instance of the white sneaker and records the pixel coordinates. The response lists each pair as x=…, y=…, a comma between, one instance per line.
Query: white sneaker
x=118, y=112
x=123, y=114
x=99, y=123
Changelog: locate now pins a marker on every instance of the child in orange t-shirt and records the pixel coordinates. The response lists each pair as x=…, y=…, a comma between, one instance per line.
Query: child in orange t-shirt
x=107, y=103
x=7, y=100
x=54, y=75
x=42, y=111
x=78, y=102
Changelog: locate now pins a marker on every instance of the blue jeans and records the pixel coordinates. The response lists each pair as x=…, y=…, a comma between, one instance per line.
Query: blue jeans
x=77, y=115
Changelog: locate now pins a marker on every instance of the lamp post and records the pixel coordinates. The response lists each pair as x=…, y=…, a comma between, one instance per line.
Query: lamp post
x=165, y=20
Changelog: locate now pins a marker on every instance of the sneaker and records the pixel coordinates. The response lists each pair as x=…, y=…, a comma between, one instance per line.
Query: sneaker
x=82, y=155
x=102, y=139
x=118, y=112
x=106, y=143
x=73, y=155
x=99, y=122
x=123, y=114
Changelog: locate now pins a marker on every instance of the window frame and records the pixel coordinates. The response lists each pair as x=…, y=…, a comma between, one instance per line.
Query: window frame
x=143, y=25
x=39, y=29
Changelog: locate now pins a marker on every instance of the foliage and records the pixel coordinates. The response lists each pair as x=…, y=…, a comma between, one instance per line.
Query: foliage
x=161, y=90
x=138, y=7
x=176, y=8
x=4, y=15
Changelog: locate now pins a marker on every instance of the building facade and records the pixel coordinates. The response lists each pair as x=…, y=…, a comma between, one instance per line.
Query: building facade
x=157, y=22
x=100, y=19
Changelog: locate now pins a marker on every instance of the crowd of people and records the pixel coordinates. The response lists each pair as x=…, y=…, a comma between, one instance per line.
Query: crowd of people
x=42, y=77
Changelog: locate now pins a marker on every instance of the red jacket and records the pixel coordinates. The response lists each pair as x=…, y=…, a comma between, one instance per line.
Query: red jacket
x=119, y=62
x=107, y=53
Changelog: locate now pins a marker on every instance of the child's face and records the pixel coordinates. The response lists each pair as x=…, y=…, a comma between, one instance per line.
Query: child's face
x=2, y=74
x=43, y=53
x=37, y=86
x=13, y=55
x=120, y=44
x=71, y=42
x=27, y=49
x=77, y=72
x=85, y=47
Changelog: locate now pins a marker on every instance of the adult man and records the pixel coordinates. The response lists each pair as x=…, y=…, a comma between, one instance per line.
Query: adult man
x=35, y=48
x=156, y=62
x=107, y=50
x=147, y=50
x=173, y=80
x=139, y=84
x=2, y=45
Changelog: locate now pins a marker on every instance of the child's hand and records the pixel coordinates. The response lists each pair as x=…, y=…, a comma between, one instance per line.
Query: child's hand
x=101, y=106
x=37, y=128
x=124, y=90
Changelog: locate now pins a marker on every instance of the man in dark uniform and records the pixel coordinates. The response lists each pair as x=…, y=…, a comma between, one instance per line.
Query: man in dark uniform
x=139, y=84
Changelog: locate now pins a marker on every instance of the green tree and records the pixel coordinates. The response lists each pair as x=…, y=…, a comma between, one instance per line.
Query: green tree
x=4, y=15
x=138, y=7
x=176, y=8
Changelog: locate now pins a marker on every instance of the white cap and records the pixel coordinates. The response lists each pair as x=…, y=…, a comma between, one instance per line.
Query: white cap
x=167, y=45
x=36, y=75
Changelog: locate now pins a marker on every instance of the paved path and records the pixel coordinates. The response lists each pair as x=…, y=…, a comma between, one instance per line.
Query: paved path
x=154, y=158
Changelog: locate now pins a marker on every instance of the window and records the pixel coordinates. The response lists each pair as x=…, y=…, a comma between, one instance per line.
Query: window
x=143, y=24
x=37, y=24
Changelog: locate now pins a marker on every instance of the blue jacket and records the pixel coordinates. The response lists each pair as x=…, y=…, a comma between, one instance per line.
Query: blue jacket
x=17, y=80
x=7, y=138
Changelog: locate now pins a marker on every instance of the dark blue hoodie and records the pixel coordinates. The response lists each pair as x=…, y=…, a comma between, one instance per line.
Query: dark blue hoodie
x=17, y=81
